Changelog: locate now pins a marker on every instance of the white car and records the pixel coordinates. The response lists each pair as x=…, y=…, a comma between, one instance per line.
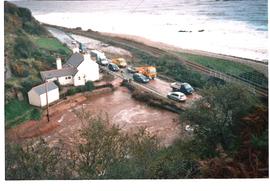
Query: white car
x=177, y=96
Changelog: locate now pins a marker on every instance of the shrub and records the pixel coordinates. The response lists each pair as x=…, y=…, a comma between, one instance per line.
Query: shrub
x=19, y=70
x=23, y=48
x=72, y=91
x=24, y=13
x=28, y=84
x=36, y=114
x=34, y=28
x=89, y=86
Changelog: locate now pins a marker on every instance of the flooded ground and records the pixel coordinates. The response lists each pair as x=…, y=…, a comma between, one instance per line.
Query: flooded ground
x=121, y=109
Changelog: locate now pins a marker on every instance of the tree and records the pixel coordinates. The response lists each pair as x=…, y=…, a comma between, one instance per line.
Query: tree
x=103, y=146
x=217, y=115
x=31, y=162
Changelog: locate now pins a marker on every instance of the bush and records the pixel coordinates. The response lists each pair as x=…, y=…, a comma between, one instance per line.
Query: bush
x=19, y=70
x=23, y=48
x=28, y=84
x=36, y=114
x=72, y=91
x=89, y=86
x=25, y=14
x=33, y=28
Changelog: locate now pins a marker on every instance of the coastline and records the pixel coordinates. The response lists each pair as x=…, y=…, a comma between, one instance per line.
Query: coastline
x=257, y=65
x=260, y=66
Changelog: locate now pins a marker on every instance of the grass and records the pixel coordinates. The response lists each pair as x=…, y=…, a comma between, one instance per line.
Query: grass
x=50, y=44
x=17, y=112
x=228, y=67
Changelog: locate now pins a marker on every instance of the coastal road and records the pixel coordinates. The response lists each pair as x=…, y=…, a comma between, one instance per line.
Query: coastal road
x=128, y=44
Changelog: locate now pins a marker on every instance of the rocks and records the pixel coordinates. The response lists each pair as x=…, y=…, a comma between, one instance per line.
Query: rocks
x=201, y=30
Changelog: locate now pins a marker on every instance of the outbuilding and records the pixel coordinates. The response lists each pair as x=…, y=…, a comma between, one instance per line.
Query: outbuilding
x=37, y=95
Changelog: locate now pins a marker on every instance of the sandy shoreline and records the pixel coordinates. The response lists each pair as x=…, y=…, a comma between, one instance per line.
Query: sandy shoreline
x=260, y=66
x=257, y=65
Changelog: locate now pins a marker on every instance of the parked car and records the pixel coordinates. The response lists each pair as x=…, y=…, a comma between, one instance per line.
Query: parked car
x=182, y=87
x=177, y=96
x=113, y=67
x=140, y=78
x=121, y=62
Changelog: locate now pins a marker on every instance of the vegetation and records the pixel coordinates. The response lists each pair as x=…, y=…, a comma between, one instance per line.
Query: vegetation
x=170, y=66
x=89, y=86
x=29, y=49
x=228, y=67
x=51, y=44
x=17, y=112
x=227, y=131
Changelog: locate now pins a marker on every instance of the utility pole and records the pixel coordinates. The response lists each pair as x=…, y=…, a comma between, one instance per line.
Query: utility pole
x=46, y=86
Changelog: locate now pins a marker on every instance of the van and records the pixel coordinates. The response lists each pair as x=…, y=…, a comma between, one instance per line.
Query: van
x=99, y=57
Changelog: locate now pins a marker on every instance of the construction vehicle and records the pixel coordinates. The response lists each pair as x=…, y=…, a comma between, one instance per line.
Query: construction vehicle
x=182, y=87
x=120, y=62
x=148, y=71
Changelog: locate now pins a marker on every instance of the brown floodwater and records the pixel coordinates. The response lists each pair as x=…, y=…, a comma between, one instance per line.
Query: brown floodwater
x=122, y=110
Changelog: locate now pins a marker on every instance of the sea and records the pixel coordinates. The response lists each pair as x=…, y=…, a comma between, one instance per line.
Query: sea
x=230, y=27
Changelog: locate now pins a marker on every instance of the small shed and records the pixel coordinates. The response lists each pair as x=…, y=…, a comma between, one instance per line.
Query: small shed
x=37, y=95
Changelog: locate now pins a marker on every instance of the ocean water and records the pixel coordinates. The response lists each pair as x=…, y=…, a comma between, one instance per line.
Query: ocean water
x=231, y=27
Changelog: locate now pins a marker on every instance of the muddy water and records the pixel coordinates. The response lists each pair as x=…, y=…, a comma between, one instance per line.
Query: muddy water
x=121, y=110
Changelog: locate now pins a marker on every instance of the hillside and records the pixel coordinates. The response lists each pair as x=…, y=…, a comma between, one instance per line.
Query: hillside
x=29, y=49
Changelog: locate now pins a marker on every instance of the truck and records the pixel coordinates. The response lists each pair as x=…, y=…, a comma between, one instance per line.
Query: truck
x=120, y=62
x=149, y=71
x=182, y=87
x=99, y=57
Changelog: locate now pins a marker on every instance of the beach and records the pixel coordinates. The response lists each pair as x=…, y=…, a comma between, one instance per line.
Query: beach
x=229, y=28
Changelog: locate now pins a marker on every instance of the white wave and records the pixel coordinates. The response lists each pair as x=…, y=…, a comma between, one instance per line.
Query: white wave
x=225, y=37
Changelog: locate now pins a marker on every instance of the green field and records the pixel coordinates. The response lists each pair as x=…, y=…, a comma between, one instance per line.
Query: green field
x=228, y=67
x=17, y=112
x=50, y=44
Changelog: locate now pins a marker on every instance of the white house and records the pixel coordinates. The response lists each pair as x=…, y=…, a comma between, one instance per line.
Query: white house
x=37, y=95
x=78, y=69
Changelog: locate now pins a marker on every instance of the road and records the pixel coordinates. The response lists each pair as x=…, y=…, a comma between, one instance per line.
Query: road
x=126, y=43
x=158, y=86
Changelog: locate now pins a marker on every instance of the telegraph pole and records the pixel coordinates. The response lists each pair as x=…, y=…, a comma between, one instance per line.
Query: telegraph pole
x=47, y=103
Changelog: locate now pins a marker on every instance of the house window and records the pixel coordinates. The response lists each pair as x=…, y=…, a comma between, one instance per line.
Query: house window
x=79, y=78
x=68, y=78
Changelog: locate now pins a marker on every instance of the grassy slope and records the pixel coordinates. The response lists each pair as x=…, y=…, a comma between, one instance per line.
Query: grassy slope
x=50, y=44
x=29, y=49
x=228, y=67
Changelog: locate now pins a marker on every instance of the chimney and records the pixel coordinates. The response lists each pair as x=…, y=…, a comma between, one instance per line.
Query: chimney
x=58, y=63
x=76, y=49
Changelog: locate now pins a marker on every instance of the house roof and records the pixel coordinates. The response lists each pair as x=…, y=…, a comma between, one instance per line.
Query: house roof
x=75, y=60
x=58, y=73
x=41, y=89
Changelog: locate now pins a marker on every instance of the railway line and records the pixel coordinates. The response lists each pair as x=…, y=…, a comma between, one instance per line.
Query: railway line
x=156, y=52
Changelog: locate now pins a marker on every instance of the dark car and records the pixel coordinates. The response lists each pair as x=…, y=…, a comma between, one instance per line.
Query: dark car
x=182, y=87
x=140, y=78
x=113, y=67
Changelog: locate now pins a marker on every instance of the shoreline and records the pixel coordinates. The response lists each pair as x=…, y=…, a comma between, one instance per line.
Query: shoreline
x=246, y=61
x=260, y=66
